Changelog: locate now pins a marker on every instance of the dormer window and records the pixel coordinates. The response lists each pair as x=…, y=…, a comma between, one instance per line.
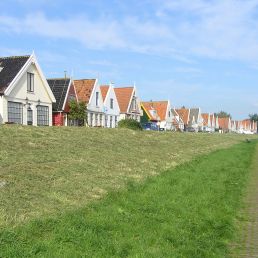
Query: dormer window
x=111, y=103
x=30, y=82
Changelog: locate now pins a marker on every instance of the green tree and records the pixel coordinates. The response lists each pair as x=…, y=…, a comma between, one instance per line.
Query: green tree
x=77, y=112
x=223, y=114
x=254, y=117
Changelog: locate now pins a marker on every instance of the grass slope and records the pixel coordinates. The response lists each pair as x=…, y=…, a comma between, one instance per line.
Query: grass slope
x=185, y=212
x=51, y=170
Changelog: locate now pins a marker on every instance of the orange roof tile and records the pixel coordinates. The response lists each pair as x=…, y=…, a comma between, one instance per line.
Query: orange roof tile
x=224, y=122
x=184, y=114
x=123, y=96
x=104, y=90
x=205, y=118
x=84, y=89
x=159, y=106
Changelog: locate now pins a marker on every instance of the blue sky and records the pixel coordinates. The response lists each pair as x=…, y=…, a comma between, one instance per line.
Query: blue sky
x=195, y=53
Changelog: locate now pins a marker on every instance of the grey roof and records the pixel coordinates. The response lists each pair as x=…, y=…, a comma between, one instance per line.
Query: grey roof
x=59, y=88
x=9, y=68
x=194, y=113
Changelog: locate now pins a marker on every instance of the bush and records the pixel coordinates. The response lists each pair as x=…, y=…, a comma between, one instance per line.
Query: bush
x=130, y=124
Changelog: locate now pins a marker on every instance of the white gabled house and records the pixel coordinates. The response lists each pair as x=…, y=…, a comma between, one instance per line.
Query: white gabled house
x=88, y=91
x=159, y=112
x=25, y=96
x=111, y=106
x=129, y=103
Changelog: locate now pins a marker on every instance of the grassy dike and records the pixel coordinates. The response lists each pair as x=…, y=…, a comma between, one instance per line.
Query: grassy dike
x=188, y=211
x=52, y=170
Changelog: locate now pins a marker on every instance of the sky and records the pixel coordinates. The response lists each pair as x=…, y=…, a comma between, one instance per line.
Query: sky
x=199, y=53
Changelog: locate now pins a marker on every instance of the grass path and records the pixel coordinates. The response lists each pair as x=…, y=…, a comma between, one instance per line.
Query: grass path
x=188, y=211
x=247, y=246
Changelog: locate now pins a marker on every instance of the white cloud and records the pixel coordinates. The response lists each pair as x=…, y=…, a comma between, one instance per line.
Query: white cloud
x=181, y=29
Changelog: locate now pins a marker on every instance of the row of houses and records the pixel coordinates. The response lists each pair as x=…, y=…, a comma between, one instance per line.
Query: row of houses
x=192, y=119
x=28, y=98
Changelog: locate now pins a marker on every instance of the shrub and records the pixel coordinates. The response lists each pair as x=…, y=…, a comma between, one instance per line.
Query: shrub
x=130, y=124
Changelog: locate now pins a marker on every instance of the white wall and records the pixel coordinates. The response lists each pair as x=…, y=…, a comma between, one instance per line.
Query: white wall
x=1, y=109
x=111, y=112
x=19, y=94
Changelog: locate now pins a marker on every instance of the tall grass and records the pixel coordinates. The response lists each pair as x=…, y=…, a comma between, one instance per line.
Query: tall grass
x=188, y=211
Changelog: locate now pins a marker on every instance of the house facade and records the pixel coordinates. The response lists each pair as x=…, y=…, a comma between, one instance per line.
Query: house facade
x=64, y=91
x=88, y=91
x=129, y=103
x=206, y=122
x=213, y=122
x=178, y=123
x=111, y=106
x=25, y=96
x=184, y=116
x=195, y=119
x=158, y=112
x=225, y=125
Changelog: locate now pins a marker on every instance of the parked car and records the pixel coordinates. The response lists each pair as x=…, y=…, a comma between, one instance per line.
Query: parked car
x=150, y=126
x=191, y=129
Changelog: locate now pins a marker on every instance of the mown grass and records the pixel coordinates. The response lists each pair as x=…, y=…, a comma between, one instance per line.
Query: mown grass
x=188, y=211
x=46, y=171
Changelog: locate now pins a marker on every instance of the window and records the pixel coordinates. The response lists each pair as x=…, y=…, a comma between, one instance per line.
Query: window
x=42, y=115
x=97, y=99
x=14, y=112
x=115, y=121
x=111, y=121
x=96, y=120
x=100, y=119
x=91, y=119
x=106, y=121
x=111, y=103
x=30, y=82
x=29, y=116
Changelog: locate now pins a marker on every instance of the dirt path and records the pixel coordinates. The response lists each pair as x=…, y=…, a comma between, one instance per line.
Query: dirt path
x=248, y=246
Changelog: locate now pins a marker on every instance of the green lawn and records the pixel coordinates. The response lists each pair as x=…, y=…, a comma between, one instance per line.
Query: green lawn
x=188, y=211
x=49, y=171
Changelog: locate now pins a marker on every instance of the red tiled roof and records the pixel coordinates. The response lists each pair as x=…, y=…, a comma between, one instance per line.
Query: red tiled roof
x=205, y=118
x=184, y=114
x=123, y=96
x=224, y=122
x=159, y=106
x=104, y=89
x=84, y=89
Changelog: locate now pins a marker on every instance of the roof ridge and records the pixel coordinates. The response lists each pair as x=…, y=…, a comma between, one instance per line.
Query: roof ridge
x=67, y=78
x=85, y=79
x=14, y=57
x=126, y=87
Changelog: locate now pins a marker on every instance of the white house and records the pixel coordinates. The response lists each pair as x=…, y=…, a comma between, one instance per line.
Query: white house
x=129, y=103
x=111, y=106
x=25, y=96
x=160, y=112
x=88, y=91
x=178, y=123
x=206, y=122
x=195, y=119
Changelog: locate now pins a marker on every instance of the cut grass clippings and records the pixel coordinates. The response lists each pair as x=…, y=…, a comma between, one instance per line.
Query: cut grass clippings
x=188, y=211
